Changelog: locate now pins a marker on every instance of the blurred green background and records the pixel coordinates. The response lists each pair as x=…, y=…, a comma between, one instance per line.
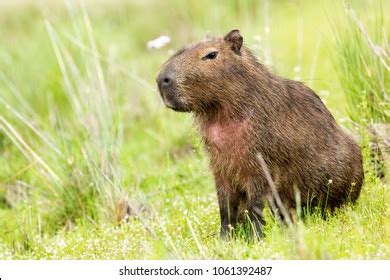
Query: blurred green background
x=92, y=165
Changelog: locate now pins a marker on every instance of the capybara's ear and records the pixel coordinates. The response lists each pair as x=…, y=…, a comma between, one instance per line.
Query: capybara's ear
x=235, y=39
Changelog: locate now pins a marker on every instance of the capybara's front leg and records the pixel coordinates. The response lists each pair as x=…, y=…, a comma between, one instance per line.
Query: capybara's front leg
x=228, y=206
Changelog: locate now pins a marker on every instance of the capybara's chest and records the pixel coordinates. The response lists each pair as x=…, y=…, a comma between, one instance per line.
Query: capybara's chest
x=229, y=147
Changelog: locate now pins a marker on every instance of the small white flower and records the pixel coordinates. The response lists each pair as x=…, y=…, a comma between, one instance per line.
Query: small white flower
x=159, y=42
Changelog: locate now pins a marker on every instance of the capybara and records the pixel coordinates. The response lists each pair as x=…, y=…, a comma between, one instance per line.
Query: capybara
x=269, y=139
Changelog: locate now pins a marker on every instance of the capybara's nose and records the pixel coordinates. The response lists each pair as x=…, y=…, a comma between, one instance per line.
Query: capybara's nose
x=165, y=81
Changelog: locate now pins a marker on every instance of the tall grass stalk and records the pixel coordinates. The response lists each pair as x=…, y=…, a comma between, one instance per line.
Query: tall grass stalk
x=99, y=126
x=364, y=61
x=82, y=175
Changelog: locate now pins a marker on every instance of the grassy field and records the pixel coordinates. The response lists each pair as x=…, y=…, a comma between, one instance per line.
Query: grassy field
x=83, y=132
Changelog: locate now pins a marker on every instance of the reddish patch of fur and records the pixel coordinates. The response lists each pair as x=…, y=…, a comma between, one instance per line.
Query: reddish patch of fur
x=226, y=135
x=227, y=144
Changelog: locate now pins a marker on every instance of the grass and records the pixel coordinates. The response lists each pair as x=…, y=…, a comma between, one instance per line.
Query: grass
x=364, y=66
x=83, y=133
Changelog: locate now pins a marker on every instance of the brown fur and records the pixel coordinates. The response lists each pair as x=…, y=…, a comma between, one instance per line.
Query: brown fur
x=243, y=111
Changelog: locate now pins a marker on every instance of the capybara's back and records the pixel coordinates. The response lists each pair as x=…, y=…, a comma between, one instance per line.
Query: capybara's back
x=269, y=139
x=304, y=147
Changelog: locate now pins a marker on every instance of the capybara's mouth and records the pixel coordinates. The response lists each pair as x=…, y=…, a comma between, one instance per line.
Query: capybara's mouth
x=172, y=101
x=179, y=109
x=176, y=105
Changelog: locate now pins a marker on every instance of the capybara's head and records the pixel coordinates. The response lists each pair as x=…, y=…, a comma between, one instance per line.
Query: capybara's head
x=196, y=77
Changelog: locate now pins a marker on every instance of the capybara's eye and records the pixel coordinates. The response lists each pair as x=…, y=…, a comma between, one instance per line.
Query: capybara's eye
x=211, y=55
